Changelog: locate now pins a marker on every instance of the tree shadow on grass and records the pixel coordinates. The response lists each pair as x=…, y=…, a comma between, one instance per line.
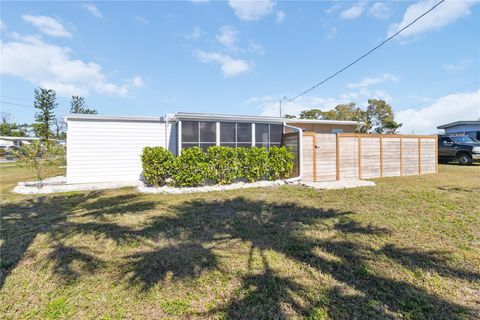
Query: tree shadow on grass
x=186, y=260
x=281, y=228
x=194, y=228
x=71, y=263
x=21, y=222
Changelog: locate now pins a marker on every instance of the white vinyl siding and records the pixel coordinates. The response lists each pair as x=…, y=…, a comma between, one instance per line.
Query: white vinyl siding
x=110, y=150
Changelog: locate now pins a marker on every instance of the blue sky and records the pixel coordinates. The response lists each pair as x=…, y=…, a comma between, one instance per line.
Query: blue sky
x=241, y=57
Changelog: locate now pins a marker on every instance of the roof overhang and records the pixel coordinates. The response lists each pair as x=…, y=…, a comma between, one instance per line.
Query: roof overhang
x=225, y=117
x=189, y=116
x=459, y=123
x=333, y=122
x=95, y=117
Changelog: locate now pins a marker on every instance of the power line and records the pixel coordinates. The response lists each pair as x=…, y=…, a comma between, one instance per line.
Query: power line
x=366, y=54
x=16, y=104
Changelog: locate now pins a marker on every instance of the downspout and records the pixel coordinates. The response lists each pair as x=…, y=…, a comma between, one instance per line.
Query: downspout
x=300, y=153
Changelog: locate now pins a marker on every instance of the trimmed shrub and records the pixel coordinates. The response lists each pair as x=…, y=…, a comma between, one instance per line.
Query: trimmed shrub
x=190, y=168
x=280, y=163
x=222, y=164
x=157, y=164
x=253, y=163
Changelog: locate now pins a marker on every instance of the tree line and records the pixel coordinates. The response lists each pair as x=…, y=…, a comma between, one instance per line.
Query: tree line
x=378, y=116
x=47, y=125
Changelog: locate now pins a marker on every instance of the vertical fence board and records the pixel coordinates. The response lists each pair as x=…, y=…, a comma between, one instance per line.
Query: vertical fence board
x=351, y=156
x=326, y=158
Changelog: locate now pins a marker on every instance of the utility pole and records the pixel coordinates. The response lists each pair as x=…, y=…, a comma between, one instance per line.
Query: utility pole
x=280, y=105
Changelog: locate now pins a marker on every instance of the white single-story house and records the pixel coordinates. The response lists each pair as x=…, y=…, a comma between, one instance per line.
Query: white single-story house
x=108, y=148
x=8, y=141
x=470, y=128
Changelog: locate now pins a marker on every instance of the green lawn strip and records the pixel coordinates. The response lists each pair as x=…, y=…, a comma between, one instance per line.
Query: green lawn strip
x=407, y=248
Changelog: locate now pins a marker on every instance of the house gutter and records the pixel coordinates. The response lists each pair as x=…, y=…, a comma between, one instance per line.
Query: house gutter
x=300, y=153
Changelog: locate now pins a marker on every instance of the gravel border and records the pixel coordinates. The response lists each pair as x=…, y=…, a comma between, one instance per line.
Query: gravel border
x=59, y=184
x=142, y=187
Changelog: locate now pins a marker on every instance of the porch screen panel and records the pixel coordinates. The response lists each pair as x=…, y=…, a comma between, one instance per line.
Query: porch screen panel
x=190, y=134
x=244, y=135
x=261, y=135
x=208, y=134
x=228, y=134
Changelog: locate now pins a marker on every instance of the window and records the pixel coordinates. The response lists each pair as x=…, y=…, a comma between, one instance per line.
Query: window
x=244, y=135
x=198, y=134
x=276, y=131
x=267, y=135
x=190, y=131
x=261, y=135
x=334, y=130
x=234, y=134
x=228, y=132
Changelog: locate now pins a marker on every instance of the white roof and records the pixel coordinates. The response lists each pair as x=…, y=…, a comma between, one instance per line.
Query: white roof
x=204, y=116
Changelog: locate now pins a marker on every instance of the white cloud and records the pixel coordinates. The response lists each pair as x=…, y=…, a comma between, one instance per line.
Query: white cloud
x=93, y=10
x=354, y=11
x=251, y=10
x=269, y=106
x=3, y=26
x=334, y=8
x=141, y=19
x=444, y=14
x=380, y=10
x=196, y=33
x=256, y=48
x=460, y=106
x=230, y=67
x=456, y=66
x=280, y=16
x=47, y=25
x=137, y=82
x=51, y=66
x=332, y=33
x=367, y=82
x=227, y=36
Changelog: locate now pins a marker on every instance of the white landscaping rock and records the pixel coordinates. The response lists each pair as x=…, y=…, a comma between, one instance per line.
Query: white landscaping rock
x=59, y=184
x=340, y=184
x=234, y=186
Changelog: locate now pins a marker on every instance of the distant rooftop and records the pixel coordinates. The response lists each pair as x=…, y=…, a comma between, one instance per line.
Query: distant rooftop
x=459, y=123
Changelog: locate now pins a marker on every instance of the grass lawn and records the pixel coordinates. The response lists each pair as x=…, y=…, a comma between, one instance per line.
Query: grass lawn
x=408, y=248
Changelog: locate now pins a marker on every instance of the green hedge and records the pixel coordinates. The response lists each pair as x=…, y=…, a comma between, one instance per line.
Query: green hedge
x=280, y=163
x=223, y=165
x=157, y=164
x=190, y=168
x=219, y=165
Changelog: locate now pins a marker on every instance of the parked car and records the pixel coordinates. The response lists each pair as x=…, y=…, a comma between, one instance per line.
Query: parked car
x=462, y=148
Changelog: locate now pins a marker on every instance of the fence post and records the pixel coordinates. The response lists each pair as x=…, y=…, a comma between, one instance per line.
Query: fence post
x=314, y=157
x=359, y=157
x=381, y=157
x=401, y=156
x=419, y=156
x=337, y=137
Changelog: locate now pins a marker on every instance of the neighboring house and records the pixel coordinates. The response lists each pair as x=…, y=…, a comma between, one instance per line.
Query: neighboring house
x=108, y=148
x=470, y=128
x=8, y=142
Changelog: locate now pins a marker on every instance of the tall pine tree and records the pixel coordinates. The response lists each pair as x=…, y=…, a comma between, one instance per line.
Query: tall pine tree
x=78, y=106
x=45, y=102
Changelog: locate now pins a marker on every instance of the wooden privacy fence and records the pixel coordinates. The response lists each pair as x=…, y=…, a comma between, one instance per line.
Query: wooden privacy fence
x=328, y=157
